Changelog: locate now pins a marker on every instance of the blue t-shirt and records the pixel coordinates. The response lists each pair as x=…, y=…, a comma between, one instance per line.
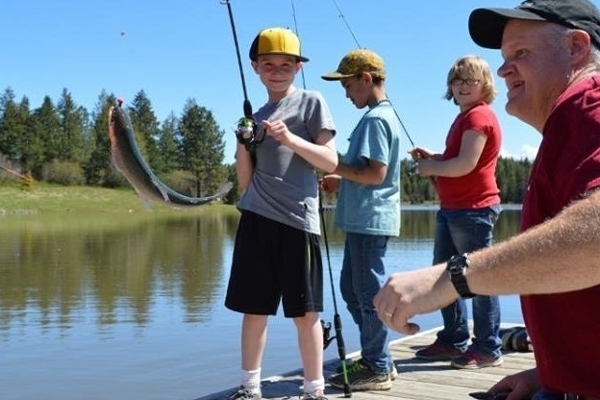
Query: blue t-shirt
x=372, y=209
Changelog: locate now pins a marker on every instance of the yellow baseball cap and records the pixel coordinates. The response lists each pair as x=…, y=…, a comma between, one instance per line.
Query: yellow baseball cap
x=357, y=62
x=276, y=41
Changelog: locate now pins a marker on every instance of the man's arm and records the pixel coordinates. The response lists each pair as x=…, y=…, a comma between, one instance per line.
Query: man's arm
x=559, y=255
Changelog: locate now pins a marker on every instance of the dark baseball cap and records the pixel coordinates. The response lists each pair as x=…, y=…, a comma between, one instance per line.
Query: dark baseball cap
x=486, y=25
x=357, y=62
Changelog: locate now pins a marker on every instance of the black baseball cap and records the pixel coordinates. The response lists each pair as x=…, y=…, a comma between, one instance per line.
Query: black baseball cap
x=276, y=41
x=486, y=25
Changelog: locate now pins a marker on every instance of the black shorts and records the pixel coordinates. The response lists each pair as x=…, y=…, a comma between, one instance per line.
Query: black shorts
x=274, y=262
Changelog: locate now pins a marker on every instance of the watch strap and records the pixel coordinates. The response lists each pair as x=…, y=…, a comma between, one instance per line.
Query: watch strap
x=456, y=268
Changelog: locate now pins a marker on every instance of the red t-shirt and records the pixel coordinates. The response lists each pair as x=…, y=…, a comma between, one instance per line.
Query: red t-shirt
x=478, y=188
x=565, y=327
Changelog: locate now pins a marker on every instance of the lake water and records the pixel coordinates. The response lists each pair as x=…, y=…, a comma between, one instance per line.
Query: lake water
x=131, y=307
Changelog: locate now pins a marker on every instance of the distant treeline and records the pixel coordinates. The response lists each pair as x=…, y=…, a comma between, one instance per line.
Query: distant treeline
x=64, y=143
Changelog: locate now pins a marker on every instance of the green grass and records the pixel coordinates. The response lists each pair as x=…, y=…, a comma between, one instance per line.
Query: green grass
x=45, y=198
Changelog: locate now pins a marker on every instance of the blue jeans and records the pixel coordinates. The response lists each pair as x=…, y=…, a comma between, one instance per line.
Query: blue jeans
x=362, y=275
x=545, y=395
x=458, y=232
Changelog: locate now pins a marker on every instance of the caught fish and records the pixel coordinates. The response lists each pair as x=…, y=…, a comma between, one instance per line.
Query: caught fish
x=127, y=158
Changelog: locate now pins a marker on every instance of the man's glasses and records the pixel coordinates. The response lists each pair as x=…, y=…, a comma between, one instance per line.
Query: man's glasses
x=461, y=81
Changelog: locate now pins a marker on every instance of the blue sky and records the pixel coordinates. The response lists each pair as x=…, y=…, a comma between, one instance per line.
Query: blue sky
x=181, y=49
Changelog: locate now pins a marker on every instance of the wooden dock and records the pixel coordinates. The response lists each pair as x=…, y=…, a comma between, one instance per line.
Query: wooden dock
x=417, y=379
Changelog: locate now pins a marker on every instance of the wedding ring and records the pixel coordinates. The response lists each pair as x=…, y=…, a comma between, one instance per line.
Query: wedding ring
x=388, y=314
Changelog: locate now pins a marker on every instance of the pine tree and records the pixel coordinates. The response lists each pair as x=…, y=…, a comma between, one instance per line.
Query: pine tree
x=202, y=148
x=98, y=169
x=168, y=145
x=72, y=129
x=145, y=128
x=45, y=129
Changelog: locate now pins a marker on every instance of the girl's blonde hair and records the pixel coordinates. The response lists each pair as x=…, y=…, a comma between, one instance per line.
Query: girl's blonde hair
x=476, y=68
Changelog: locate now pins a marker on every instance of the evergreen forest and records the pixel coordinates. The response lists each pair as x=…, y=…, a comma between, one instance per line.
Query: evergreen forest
x=63, y=143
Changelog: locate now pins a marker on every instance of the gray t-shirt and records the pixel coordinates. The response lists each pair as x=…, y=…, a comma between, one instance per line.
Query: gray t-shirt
x=284, y=186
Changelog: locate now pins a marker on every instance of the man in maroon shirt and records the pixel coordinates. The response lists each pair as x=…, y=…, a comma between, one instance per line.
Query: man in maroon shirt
x=552, y=70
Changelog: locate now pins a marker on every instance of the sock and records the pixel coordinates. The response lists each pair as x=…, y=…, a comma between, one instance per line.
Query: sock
x=251, y=380
x=316, y=387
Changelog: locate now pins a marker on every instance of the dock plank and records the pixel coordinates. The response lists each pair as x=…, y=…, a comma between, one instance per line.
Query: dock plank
x=417, y=379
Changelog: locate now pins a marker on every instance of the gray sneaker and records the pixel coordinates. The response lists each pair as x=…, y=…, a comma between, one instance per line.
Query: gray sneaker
x=243, y=394
x=361, y=377
x=393, y=370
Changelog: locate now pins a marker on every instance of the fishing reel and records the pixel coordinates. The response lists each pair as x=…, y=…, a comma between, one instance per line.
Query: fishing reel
x=246, y=133
x=413, y=168
x=327, y=338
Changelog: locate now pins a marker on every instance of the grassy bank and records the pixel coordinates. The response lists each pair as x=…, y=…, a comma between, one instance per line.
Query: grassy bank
x=44, y=198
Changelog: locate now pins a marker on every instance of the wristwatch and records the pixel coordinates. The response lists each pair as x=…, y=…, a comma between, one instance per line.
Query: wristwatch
x=456, y=269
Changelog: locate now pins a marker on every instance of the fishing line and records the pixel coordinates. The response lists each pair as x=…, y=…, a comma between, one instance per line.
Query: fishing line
x=347, y=25
x=360, y=47
x=297, y=34
x=337, y=321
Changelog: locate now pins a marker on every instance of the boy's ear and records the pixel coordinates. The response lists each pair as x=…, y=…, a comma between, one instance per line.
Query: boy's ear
x=366, y=77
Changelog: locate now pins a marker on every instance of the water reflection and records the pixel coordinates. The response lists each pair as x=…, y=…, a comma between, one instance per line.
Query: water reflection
x=134, y=304
x=62, y=268
x=68, y=266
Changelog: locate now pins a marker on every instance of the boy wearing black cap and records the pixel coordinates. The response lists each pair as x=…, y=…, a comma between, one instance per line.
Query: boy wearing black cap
x=367, y=180
x=277, y=255
x=551, y=52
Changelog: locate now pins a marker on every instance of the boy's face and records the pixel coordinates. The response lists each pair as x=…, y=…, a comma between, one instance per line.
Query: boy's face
x=276, y=72
x=358, y=89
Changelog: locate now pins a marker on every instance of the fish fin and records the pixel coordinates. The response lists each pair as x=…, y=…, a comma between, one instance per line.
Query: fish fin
x=224, y=189
x=161, y=189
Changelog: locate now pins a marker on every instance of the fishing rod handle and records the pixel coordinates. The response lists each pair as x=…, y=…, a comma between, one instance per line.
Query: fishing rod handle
x=337, y=322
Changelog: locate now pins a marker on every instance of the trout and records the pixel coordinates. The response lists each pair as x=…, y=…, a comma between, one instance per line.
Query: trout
x=128, y=160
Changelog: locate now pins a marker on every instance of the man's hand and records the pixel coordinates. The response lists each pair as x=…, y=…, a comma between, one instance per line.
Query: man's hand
x=410, y=293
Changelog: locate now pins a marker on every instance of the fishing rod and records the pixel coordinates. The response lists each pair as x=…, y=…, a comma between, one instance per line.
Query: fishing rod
x=297, y=34
x=337, y=321
x=346, y=23
x=246, y=130
x=360, y=47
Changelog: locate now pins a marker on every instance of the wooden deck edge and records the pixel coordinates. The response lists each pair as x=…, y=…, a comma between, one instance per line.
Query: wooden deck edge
x=289, y=382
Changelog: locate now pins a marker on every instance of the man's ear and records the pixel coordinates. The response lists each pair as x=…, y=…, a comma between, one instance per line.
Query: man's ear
x=254, y=66
x=580, y=45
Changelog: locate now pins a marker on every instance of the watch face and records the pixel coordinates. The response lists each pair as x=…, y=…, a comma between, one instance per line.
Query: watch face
x=456, y=264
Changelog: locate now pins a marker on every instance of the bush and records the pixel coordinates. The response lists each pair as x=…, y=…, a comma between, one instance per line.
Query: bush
x=64, y=173
x=181, y=181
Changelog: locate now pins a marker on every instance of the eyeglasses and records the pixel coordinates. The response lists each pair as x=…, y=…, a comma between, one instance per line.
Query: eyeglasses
x=461, y=81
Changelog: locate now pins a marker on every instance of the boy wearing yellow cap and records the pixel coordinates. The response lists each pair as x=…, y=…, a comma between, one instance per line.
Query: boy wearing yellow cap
x=368, y=180
x=276, y=255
